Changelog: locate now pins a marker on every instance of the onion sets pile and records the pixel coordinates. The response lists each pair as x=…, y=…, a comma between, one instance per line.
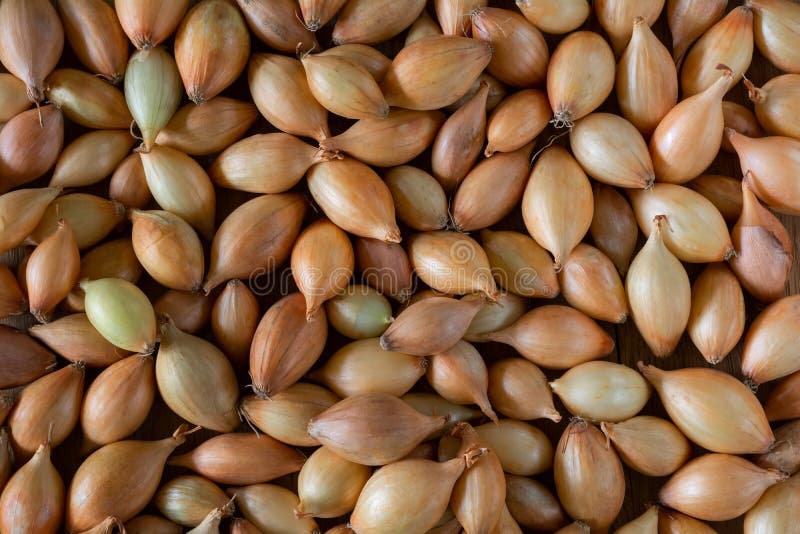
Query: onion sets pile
x=372, y=288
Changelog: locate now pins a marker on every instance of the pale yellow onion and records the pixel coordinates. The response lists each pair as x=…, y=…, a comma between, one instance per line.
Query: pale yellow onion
x=556, y=337
x=712, y=408
x=776, y=105
x=771, y=164
x=271, y=509
x=650, y=445
x=149, y=23
x=519, y=51
x=31, y=43
x=495, y=316
x=784, y=455
x=724, y=192
x=613, y=229
x=647, y=81
x=615, y=17
x=285, y=415
x=491, y=190
x=354, y=198
x=516, y=121
x=580, y=76
x=518, y=389
x=90, y=158
x=776, y=510
x=602, y=391
x=121, y=312
x=328, y=485
x=555, y=16
x=360, y=312
x=196, y=380
x=771, y=345
x=764, y=249
x=703, y=487
x=364, y=367
x=776, y=28
x=659, y=293
x=612, y=151
x=729, y=41
x=519, y=264
x=153, y=91
x=322, y=263
x=449, y=66
x=452, y=263
x=212, y=46
x=210, y=128
x=716, y=322
x=180, y=185
x=280, y=91
x=344, y=88
x=459, y=375
x=264, y=163
x=557, y=205
x=694, y=231
x=589, y=479
x=689, y=19
x=433, y=404
x=688, y=138
x=741, y=119
x=590, y=283
x=419, y=200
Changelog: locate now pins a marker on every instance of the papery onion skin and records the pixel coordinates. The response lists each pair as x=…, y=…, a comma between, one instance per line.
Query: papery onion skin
x=650, y=445
x=776, y=510
x=589, y=478
x=689, y=19
x=676, y=159
x=574, y=93
x=555, y=16
x=713, y=409
x=775, y=29
x=771, y=345
x=784, y=401
x=702, y=487
x=742, y=120
x=602, y=391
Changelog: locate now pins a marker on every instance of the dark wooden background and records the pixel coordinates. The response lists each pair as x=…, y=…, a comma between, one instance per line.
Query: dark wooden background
x=629, y=348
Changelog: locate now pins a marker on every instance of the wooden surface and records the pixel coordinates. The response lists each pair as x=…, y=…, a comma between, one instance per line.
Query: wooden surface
x=629, y=349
